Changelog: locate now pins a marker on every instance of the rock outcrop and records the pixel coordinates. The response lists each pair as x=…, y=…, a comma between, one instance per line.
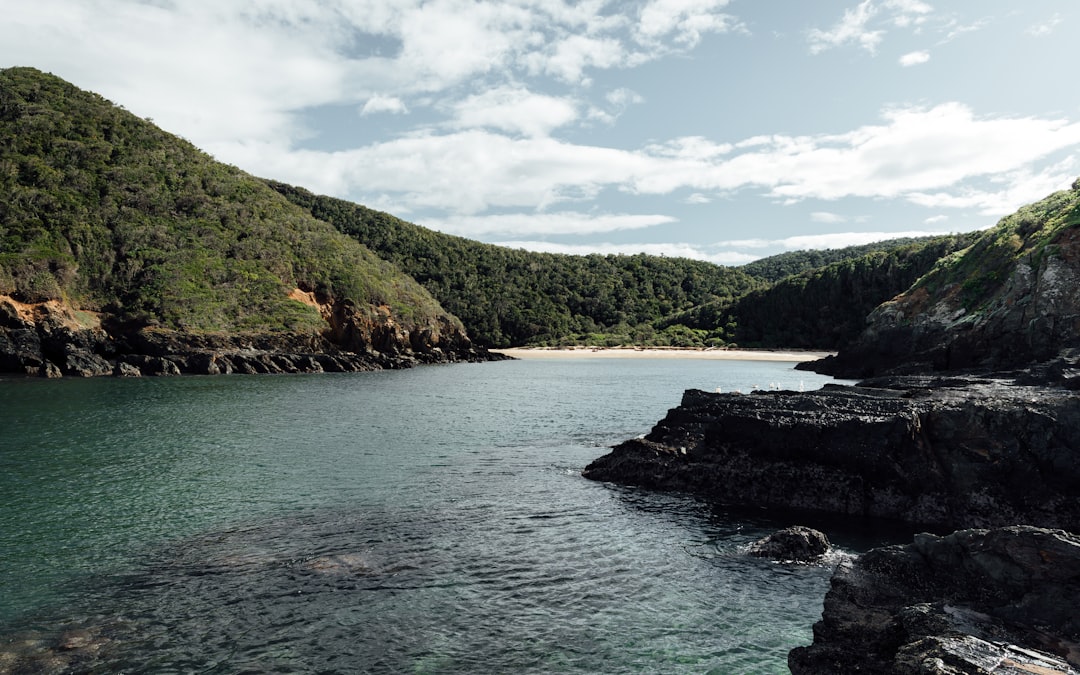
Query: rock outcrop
x=939, y=452
x=976, y=601
x=52, y=339
x=792, y=544
x=1008, y=301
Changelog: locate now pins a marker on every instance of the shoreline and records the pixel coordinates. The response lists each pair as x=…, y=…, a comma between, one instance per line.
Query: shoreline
x=792, y=356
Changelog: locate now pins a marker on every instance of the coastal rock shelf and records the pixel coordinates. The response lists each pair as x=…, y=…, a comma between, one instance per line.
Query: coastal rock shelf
x=976, y=601
x=52, y=339
x=942, y=452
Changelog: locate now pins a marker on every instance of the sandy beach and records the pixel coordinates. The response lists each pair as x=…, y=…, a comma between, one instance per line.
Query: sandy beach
x=661, y=353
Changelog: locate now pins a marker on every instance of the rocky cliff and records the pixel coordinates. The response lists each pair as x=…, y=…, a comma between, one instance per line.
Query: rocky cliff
x=53, y=339
x=1011, y=299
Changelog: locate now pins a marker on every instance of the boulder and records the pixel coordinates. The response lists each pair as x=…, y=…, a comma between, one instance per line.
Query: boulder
x=81, y=363
x=976, y=601
x=792, y=544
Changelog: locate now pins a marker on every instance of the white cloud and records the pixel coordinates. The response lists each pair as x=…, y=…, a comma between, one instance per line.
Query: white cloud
x=941, y=157
x=558, y=223
x=227, y=74
x=698, y=198
x=384, y=104
x=864, y=25
x=845, y=239
x=515, y=110
x=914, y=58
x=908, y=12
x=623, y=97
x=827, y=217
x=1014, y=189
x=852, y=28
x=1045, y=27
x=685, y=20
x=934, y=220
x=671, y=250
x=941, y=146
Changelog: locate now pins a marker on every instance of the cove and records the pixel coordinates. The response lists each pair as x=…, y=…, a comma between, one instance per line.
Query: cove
x=429, y=520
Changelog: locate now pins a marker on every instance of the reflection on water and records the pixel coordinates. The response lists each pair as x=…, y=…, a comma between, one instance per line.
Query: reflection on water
x=426, y=521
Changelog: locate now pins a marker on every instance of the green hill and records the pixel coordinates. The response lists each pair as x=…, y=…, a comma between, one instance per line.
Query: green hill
x=1008, y=300
x=777, y=267
x=108, y=213
x=509, y=297
x=822, y=308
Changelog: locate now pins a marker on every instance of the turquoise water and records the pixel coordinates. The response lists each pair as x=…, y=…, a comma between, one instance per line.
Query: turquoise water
x=428, y=521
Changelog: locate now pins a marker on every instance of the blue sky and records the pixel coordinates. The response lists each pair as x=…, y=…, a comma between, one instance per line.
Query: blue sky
x=724, y=130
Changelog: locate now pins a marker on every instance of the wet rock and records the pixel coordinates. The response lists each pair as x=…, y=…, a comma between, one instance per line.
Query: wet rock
x=969, y=602
x=80, y=363
x=963, y=654
x=792, y=544
x=126, y=370
x=151, y=365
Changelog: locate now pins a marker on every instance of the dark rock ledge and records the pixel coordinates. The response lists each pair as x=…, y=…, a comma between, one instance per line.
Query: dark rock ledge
x=53, y=340
x=941, y=452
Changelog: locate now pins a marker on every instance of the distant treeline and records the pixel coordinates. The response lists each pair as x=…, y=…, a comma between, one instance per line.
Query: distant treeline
x=777, y=267
x=823, y=308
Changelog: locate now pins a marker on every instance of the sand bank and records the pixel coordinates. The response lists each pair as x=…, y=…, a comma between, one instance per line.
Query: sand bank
x=661, y=353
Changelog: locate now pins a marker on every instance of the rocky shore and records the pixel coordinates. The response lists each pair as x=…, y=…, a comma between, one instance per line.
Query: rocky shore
x=997, y=601
x=51, y=339
x=941, y=452
x=980, y=453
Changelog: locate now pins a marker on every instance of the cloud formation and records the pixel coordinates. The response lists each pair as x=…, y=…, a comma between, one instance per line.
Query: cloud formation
x=865, y=25
x=497, y=118
x=914, y=58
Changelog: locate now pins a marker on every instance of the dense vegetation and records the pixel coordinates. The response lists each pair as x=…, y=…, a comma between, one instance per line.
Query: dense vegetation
x=513, y=297
x=1028, y=235
x=111, y=213
x=783, y=265
x=821, y=308
x=107, y=211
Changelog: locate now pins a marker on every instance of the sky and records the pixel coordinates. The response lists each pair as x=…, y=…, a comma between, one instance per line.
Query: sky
x=721, y=130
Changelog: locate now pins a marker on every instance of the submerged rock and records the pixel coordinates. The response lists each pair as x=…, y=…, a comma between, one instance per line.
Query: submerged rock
x=975, y=601
x=792, y=544
x=938, y=452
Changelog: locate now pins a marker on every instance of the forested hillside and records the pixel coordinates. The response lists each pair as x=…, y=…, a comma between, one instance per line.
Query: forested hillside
x=777, y=267
x=1008, y=300
x=509, y=297
x=109, y=213
x=821, y=308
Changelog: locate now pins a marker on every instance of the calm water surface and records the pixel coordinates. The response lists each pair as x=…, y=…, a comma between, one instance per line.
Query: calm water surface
x=423, y=521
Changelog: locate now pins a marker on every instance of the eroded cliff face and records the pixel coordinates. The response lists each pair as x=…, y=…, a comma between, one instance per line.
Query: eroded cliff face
x=942, y=453
x=53, y=339
x=1011, y=300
